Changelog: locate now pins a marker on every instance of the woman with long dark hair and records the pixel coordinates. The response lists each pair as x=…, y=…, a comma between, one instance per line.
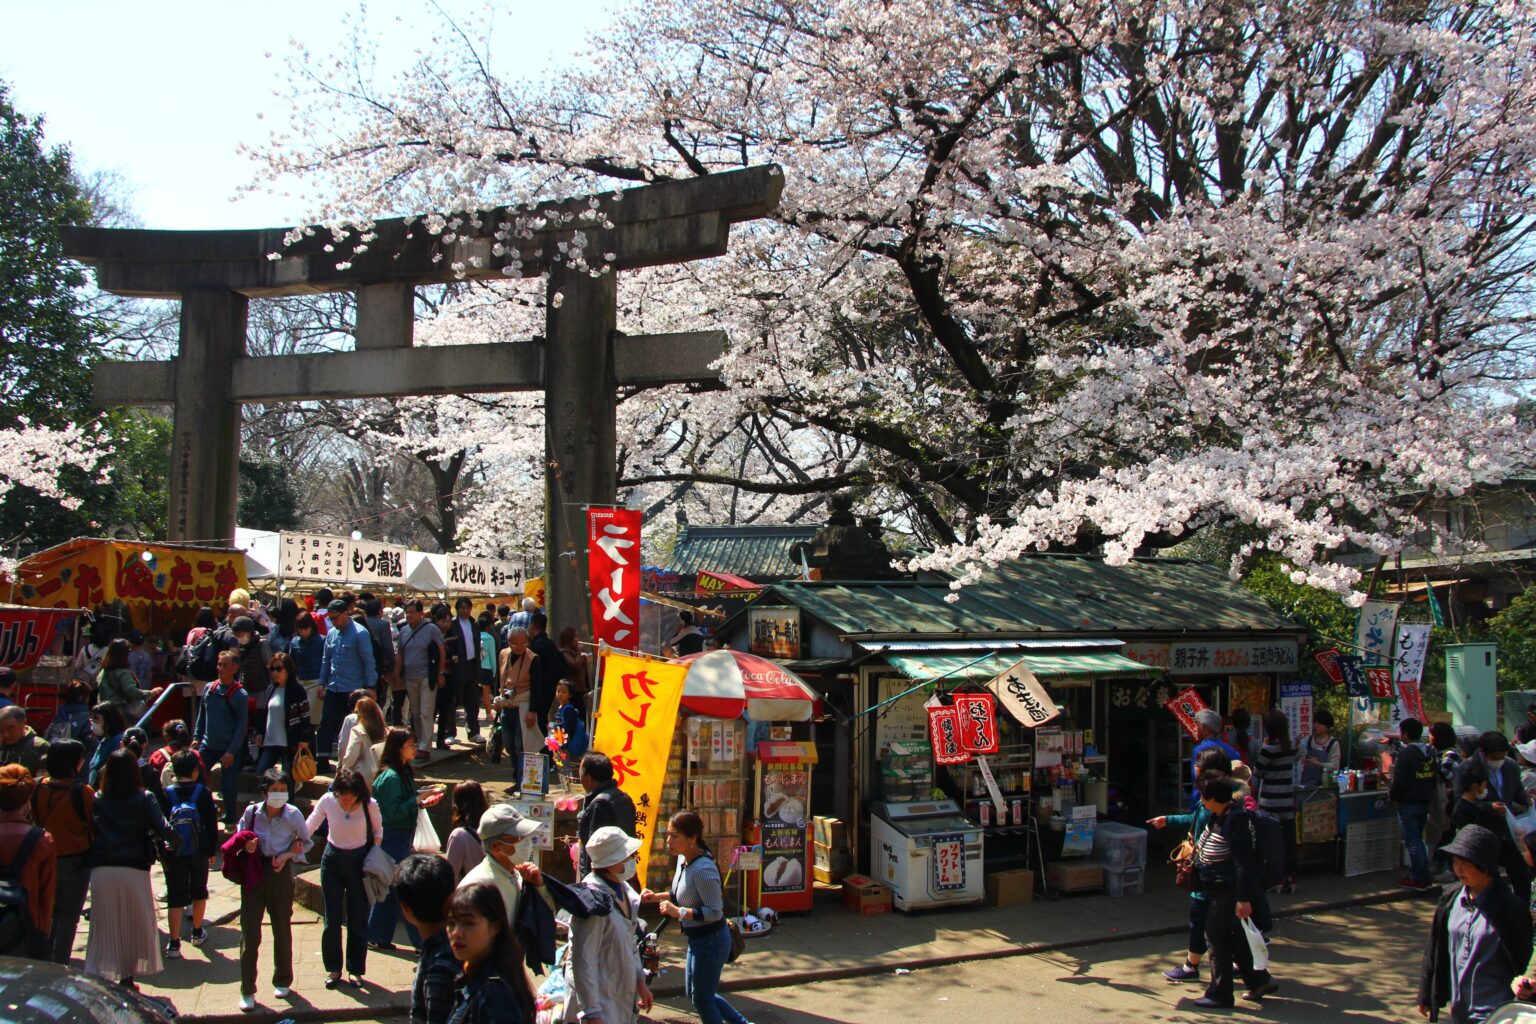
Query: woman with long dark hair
x=697, y=901
x=1275, y=772
x=355, y=828
x=283, y=727
x=108, y=724
x=361, y=737
x=398, y=799
x=124, y=941
x=118, y=685
x=464, y=849
x=494, y=986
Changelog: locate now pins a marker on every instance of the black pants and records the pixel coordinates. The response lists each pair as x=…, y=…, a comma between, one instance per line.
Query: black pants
x=1229, y=946
x=1519, y=872
x=345, y=899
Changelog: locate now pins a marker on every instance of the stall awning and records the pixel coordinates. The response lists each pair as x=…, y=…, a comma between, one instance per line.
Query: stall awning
x=948, y=663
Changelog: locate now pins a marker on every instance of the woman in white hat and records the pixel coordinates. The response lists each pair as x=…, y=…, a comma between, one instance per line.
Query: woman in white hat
x=604, y=978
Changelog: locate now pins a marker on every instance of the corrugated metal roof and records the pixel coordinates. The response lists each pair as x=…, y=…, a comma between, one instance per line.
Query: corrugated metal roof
x=955, y=666
x=752, y=551
x=1047, y=594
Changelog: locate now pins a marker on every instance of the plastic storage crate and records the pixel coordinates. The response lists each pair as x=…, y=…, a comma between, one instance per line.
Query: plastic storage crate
x=1119, y=846
x=1125, y=881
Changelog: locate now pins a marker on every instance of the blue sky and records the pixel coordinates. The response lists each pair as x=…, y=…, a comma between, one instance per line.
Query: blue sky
x=163, y=92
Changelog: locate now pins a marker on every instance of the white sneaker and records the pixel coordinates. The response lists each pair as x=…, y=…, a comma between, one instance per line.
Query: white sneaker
x=247, y=1004
x=281, y=993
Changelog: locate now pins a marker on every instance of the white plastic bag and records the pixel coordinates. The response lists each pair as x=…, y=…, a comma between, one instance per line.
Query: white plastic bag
x=1257, y=944
x=426, y=840
x=1520, y=824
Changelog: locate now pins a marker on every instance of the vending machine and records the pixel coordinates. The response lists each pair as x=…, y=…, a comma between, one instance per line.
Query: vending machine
x=782, y=803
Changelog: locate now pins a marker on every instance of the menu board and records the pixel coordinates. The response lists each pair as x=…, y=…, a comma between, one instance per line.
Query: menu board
x=786, y=793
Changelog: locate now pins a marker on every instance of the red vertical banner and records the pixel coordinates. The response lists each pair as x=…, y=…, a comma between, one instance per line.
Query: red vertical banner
x=1185, y=706
x=613, y=575
x=944, y=732
x=978, y=722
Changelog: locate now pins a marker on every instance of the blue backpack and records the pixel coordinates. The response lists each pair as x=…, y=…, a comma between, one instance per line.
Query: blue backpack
x=187, y=822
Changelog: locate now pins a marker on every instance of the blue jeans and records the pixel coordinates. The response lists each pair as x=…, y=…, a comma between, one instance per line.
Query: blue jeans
x=385, y=913
x=275, y=757
x=1412, y=818
x=229, y=780
x=336, y=707
x=706, y=958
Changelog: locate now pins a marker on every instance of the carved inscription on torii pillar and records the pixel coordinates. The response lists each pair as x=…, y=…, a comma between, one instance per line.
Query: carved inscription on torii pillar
x=579, y=364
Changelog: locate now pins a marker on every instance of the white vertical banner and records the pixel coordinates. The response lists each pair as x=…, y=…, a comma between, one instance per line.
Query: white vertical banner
x=1374, y=632
x=1409, y=652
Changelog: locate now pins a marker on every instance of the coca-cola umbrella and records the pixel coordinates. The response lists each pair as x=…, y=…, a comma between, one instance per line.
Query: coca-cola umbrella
x=723, y=684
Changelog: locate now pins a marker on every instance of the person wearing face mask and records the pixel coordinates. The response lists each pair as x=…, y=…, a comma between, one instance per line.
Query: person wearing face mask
x=108, y=726
x=1504, y=793
x=604, y=977
x=280, y=834
x=505, y=836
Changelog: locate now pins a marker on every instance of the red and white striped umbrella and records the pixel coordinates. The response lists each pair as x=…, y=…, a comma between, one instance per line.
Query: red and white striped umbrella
x=723, y=684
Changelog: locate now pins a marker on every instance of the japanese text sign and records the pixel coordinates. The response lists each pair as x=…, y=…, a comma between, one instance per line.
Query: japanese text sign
x=1374, y=632
x=308, y=556
x=1355, y=682
x=1408, y=669
x=26, y=635
x=1185, y=706
x=944, y=734
x=1296, y=702
x=116, y=571
x=613, y=574
x=370, y=562
x=1023, y=696
x=1329, y=660
x=1380, y=682
x=978, y=722
x=948, y=862
x=636, y=716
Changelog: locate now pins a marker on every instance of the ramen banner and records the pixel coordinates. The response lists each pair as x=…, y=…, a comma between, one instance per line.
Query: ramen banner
x=636, y=716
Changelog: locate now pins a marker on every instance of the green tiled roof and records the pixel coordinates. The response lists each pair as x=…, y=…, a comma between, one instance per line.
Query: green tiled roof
x=759, y=552
x=1043, y=595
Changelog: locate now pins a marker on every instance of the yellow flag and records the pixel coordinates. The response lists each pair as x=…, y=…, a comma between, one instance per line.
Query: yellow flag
x=637, y=714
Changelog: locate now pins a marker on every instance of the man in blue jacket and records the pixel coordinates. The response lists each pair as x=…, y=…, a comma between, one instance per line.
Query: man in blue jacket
x=346, y=665
x=220, y=731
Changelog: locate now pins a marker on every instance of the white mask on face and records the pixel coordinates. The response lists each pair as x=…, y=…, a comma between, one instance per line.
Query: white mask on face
x=276, y=799
x=1494, y=766
x=628, y=868
x=96, y=728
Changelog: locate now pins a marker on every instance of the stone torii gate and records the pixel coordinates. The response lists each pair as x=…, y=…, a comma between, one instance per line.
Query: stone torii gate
x=579, y=363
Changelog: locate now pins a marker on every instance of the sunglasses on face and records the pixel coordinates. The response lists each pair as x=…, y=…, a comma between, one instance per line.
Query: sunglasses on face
x=276, y=668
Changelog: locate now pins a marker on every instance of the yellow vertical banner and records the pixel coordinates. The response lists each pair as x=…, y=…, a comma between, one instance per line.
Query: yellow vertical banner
x=637, y=714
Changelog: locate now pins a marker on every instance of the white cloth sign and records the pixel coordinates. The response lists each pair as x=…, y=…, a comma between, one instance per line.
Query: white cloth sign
x=1409, y=652
x=1024, y=697
x=1374, y=631
x=370, y=562
x=997, y=794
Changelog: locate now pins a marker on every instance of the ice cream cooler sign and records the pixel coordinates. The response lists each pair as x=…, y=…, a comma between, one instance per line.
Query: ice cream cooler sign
x=949, y=863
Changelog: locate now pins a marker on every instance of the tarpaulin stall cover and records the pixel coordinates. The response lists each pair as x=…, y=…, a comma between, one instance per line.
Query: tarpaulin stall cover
x=723, y=684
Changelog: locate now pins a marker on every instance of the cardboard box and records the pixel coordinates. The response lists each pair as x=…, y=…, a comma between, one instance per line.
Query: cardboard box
x=830, y=832
x=1074, y=876
x=865, y=896
x=1010, y=888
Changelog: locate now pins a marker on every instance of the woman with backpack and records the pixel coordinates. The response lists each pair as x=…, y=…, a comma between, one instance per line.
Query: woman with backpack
x=697, y=902
x=178, y=737
x=354, y=827
x=28, y=851
x=87, y=664
x=118, y=685
x=126, y=824
x=188, y=806
x=277, y=834
x=62, y=805
x=72, y=721
x=108, y=725
x=282, y=727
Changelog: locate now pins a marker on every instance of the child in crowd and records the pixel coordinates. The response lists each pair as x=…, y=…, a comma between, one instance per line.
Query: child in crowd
x=569, y=720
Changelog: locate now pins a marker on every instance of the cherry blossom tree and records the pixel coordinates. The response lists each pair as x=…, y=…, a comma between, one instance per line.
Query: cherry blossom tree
x=1064, y=273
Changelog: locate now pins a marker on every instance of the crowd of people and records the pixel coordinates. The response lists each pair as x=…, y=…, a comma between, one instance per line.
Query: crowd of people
x=88, y=808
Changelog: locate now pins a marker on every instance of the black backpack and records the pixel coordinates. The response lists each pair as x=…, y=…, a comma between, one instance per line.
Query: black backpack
x=201, y=660
x=1268, y=846
x=18, y=935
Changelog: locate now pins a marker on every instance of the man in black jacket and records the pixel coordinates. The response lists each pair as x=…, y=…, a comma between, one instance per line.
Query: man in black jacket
x=606, y=803
x=1413, y=787
x=548, y=670
x=1505, y=792
x=1480, y=940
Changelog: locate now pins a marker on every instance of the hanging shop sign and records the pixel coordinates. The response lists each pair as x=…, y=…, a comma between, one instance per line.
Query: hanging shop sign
x=1355, y=682
x=944, y=735
x=774, y=632
x=613, y=574
x=977, y=715
x=1185, y=706
x=1220, y=658
x=1024, y=696
x=1409, y=654
x=484, y=575
x=1374, y=632
x=786, y=793
x=1296, y=702
x=25, y=635
x=1329, y=661
x=948, y=862
x=88, y=574
x=371, y=562
x=310, y=556
x=1150, y=655
x=1380, y=681
x=635, y=722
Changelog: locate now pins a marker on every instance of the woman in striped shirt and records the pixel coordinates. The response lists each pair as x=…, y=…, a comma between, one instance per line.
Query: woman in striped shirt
x=1275, y=769
x=698, y=903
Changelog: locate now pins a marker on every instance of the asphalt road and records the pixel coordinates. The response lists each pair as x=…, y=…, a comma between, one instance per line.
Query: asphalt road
x=1348, y=965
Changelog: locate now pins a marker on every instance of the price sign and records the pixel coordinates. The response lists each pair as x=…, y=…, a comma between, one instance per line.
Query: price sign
x=948, y=863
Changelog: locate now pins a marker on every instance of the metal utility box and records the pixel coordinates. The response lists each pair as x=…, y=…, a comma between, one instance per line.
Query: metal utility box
x=1471, y=685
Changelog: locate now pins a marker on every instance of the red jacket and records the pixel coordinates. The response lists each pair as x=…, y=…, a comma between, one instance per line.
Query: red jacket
x=244, y=869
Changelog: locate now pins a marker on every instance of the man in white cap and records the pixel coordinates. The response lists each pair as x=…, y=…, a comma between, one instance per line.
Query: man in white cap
x=505, y=836
x=604, y=978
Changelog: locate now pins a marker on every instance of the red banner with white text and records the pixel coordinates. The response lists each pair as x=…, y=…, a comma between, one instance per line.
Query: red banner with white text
x=613, y=575
x=26, y=635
